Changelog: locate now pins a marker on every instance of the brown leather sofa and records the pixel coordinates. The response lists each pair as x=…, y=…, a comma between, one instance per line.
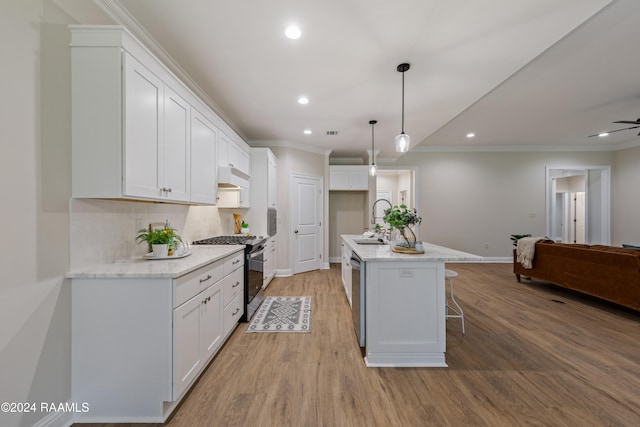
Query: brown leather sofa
x=606, y=272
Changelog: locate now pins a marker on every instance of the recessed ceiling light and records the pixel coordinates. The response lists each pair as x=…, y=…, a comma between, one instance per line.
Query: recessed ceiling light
x=471, y=135
x=307, y=132
x=603, y=134
x=292, y=32
x=303, y=100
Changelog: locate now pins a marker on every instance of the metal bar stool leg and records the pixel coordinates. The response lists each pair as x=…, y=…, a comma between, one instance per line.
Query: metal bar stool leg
x=459, y=314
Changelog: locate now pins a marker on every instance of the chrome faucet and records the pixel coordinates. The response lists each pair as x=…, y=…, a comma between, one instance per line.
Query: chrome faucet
x=373, y=209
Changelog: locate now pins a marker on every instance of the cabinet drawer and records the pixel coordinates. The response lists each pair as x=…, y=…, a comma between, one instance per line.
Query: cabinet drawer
x=232, y=262
x=233, y=285
x=187, y=286
x=232, y=313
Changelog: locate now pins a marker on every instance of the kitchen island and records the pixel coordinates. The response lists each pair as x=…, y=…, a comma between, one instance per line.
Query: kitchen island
x=403, y=296
x=144, y=330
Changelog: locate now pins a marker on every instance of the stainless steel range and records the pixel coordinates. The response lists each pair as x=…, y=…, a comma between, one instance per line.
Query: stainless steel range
x=253, y=267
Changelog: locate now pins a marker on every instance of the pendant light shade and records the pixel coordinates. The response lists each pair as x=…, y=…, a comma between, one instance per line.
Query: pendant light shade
x=403, y=140
x=372, y=168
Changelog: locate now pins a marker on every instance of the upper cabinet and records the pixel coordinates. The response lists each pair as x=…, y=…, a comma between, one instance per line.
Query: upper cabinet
x=204, y=168
x=233, y=156
x=350, y=178
x=272, y=183
x=137, y=131
x=264, y=188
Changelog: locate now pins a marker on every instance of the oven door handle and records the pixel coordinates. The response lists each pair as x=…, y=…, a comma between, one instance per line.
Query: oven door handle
x=258, y=252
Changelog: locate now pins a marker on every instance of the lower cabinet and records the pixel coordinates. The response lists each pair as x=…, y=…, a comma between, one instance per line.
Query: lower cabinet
x=197, y=334
x=138, y=344
x=269, y=262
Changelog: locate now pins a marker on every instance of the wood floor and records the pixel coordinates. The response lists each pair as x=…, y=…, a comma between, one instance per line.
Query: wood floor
x=532, y=355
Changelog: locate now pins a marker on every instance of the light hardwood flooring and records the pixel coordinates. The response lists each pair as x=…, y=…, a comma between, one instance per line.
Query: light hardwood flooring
x=532, y=355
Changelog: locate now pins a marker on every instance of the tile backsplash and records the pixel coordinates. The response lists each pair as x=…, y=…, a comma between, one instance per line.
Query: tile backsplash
x=103, y=231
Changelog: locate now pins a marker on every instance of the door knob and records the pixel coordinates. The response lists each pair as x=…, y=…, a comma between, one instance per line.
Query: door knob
x=296, y=231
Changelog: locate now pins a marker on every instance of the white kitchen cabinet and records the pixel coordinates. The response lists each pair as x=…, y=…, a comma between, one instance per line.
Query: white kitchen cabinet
x=197, y=331
x=204, y=168
x=133, y=125
x=272, y=180
x=233, y=198
x=232, y=155
x=269, y=262
x=264, y=188
x=349, y=178
x=139, y=343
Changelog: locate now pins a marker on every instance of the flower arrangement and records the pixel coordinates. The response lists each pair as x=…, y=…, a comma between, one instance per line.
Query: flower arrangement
x=403, y=219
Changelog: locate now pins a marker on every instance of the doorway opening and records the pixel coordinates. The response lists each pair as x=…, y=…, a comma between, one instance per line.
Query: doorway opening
x=578, y=204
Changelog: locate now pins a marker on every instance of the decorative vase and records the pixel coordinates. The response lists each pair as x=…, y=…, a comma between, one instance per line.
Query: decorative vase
x=245, y=230
x=409, y=237
x=160, y=251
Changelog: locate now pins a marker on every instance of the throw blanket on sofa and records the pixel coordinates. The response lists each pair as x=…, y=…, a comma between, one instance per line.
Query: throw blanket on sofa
x=526, y=250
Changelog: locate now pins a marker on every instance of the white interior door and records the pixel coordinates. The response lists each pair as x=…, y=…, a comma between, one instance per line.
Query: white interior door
x=306, y=223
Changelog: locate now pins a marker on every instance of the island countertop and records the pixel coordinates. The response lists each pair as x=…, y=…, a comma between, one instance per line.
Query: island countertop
x=384, y=253
x=142, y=268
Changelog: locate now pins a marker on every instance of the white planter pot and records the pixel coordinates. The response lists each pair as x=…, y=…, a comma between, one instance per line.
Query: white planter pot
x=160, y=251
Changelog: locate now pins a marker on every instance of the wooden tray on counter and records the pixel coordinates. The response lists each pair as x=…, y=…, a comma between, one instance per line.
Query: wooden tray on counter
x=403, y=250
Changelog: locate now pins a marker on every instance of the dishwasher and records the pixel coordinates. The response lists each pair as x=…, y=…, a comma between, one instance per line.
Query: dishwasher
x=358, y=297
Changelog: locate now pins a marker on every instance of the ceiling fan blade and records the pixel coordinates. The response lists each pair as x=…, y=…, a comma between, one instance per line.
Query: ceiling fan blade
x=617, y=130
x=637, y=122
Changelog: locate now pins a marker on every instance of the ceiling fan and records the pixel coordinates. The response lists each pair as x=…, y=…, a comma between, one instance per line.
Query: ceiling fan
x=636, y=123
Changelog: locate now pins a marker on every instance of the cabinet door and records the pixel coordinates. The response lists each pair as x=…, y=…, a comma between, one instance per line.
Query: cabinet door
x=338, y=180
x=211, y=320
x=187, y=359
x=243, y=198
x=359, y=179
x=223, y=150
x=174, y=157
x=204, y=170
x=238, y=158
x=142, y=114
x=272, y=183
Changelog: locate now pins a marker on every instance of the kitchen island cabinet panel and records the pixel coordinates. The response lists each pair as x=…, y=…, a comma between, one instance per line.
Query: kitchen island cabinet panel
x=405, y=302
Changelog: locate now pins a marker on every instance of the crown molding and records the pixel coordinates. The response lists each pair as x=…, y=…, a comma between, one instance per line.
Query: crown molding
x=121, y=16
x=288, y=144
x=523, y=148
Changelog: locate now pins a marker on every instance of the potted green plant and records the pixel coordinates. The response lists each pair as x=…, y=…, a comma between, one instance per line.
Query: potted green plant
x=403, y=219
x=244, y=228
x=158, y=239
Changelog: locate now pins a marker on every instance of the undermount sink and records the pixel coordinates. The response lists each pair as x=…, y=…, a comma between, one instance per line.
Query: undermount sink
x=370, y=241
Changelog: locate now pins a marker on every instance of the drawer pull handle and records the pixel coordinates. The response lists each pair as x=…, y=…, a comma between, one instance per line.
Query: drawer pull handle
x=237, y=283
x=206, y=278
x=235, y=312
x=236, y=261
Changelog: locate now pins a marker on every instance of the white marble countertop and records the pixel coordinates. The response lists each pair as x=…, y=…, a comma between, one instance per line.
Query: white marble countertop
x=383, y=252
x=142, y=268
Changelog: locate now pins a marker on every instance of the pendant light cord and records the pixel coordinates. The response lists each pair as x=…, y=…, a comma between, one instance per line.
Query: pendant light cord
x=402, y=102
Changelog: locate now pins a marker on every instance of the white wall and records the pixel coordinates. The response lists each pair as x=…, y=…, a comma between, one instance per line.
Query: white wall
x=625, y=196
x=35, y=181
x=290, y=161
x=472, y=200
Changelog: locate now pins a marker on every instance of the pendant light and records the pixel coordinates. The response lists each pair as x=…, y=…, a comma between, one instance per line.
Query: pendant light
x=403, y=140
x=372, y=168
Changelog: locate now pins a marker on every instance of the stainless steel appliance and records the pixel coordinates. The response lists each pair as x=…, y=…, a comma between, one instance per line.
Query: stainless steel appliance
x=272, y=222
x=358, y=287
x=253, y=267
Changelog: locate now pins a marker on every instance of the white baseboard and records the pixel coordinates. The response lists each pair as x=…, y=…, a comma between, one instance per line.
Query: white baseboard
x=56, y=419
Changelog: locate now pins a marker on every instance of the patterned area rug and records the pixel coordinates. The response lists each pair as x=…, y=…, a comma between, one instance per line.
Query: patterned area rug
x=282, y=314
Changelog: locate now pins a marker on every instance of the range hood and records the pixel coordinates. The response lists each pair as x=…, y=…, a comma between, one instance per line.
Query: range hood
x=229, y=177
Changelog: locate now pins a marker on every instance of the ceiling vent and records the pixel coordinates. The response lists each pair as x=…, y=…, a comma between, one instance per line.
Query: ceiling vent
x=332, y=132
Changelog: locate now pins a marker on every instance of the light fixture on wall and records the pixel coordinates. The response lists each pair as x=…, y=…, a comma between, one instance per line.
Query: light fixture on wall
x=403, y=140
x=372, y=168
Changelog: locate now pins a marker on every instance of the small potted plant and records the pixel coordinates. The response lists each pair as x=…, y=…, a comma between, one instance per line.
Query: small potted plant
x=158, y=240
x=244, y=228
x=403, y=219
